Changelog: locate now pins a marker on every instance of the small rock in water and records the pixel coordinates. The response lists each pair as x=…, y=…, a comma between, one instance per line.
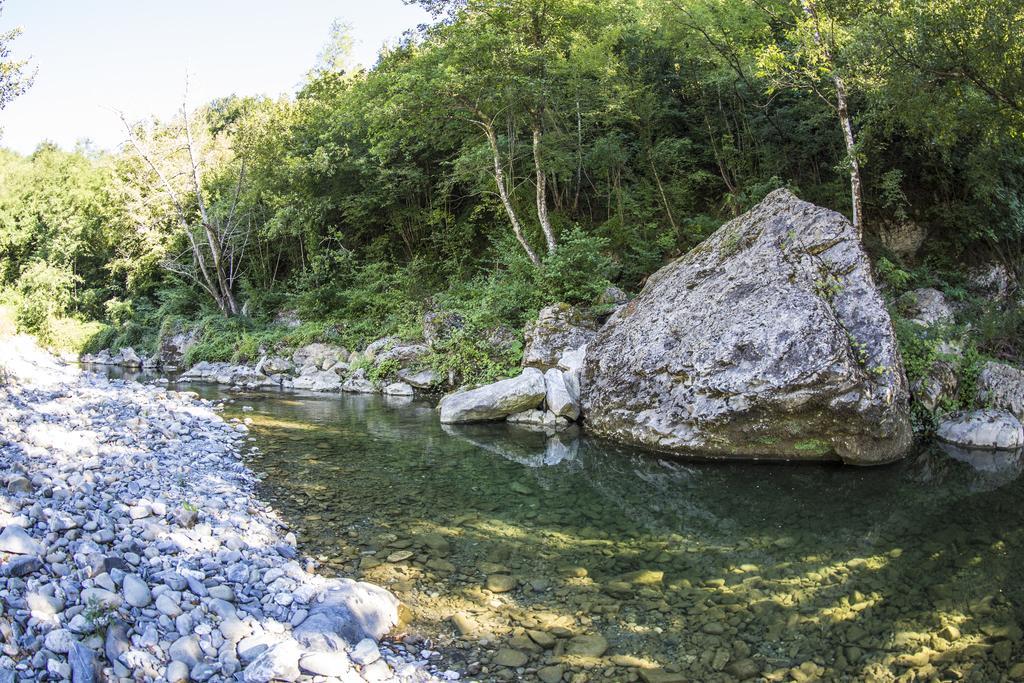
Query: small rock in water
x=500, y=583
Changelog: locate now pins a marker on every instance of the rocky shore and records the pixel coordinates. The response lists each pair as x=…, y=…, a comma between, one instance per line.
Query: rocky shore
x=133, y=547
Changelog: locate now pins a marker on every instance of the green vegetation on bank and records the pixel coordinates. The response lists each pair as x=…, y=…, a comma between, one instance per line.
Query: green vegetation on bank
x=514, y=154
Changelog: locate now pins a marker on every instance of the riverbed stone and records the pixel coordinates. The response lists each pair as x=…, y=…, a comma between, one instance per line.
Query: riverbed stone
x=982, y=429
x=279, y=662
x=98, y=539
x=768, y=340
x=510, y=658
x=495, y=401
x=500, y=583
x=587, y=645
x=136, y=592
x=16, y=540
x=348, y=613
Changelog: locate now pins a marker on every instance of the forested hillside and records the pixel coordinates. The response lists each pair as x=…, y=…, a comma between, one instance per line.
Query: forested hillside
x=514, y=154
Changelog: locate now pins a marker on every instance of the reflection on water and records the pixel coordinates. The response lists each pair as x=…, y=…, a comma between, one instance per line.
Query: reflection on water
x=691, y=571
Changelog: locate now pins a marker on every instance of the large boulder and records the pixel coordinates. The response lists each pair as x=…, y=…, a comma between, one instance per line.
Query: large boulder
x=495, y=401
x=982, y=429
x=1002, y=386
x=768, y=340
x=557, y=329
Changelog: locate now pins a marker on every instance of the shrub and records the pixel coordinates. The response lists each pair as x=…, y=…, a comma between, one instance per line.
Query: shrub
x=578, y=271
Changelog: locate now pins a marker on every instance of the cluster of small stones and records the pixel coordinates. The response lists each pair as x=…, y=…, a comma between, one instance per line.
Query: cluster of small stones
x=133, y=548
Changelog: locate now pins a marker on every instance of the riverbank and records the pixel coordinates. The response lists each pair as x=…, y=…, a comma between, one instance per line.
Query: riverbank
x=134, y=547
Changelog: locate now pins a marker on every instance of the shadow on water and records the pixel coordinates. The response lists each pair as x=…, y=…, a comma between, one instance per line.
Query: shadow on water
x=714, y=571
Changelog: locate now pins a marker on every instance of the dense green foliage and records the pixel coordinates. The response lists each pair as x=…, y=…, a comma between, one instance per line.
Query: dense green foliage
x=621, y=133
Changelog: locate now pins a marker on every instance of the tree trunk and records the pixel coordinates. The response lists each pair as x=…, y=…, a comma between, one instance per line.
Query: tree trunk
x=843, y=110
x=499, y=179
x=851, y=154
x=542, y=192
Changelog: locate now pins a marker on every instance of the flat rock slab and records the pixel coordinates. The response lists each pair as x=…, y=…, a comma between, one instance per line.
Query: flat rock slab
x=495, y=401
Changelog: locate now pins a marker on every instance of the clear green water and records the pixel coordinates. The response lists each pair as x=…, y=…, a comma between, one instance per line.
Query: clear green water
x=790, y=572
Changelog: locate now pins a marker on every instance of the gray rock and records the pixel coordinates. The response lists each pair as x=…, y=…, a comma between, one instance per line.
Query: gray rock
x=612, y=296
x=277, y=663
x=275, y=365
x=320, y=356
x=926, y=307
x=347, y=614
x=419, y=379
x=177, y=672
x=332, y=664
x=938, y=385
x=173, y=346
x=557, y=329
x=318, y=380
x=186, y=649
x=398, y=389
x=359, y=383
x=167, y=606
x=136, y=592
x=1002, y=386
x=59, y=640
x=560, y=399
x=19, y=484
x=16, y=540
x=83, y=663
x=403, y=354
x=767, y=340
x=495, y=401
x=365, y=652
x=983, y=429
x=128, y=358
x=116, y=642
x=992, y=280
x=21, y=566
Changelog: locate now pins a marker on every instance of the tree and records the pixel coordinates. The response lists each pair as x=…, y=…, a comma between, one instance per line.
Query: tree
x=216, y=240
x=15, y=78
x=808, y=58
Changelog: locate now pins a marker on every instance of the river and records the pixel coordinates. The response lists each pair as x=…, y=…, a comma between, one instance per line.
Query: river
x=522, y=557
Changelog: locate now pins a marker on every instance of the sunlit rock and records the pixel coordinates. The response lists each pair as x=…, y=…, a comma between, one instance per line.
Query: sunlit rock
x=495, y=401
x=768, y=340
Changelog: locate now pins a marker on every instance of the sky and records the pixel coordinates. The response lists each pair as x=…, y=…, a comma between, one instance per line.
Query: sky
x=98, y=56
